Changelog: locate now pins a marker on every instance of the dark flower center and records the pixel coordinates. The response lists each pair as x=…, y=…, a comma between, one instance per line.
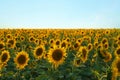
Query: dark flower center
x=39, y=51
x=118, y=51
x=4, y=57
x=57, y=54
x=1, y=46
x=21, y=59
x=118, y=66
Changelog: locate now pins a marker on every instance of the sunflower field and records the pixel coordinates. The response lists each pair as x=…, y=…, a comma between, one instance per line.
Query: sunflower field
x=59, y=54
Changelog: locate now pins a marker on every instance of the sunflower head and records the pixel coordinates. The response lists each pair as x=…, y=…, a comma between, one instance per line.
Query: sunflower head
x=108, y=57
x=67, y=39
x=118, y=37
x=114, y=73
x=117, y=52
x=76, y=46
x=104, y=40
x=1, y=45
x=96, y=44
x=21, y=60
x=89, y=47
x=56, y=56
x=11, y=43
x=116, y=65
x=57, y=42
x=79, y=40
x=22, y=38
x=9, y=36
x=39, y=51
x=36, y=41
x=64, y=44
x=77, y=62
x=106, y=46
x=31, y=39
x=84, y=53
x=51, y=41
x=4, y=57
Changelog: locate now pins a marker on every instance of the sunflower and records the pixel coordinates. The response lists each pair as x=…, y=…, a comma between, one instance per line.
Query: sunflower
x=5, y=56
x=31, y=39
x=117, y=52
x=79, y=40
x=108, y=57
x=104, y=40
x=107, y=32
x=22, y=38
x=39, y=51
x=56, y=56
x=2, y=39
x=11, y=43
x=21, y=60
x=45, y=55
x=114, y=74
x=84, y=53
x=36, y=41
x=118, y=37
x=89, y=47
x=51, y=41
x=116, y=65
x=96, y=44
x=76, y=46
x=106, y=46
x=57, y=42
x=67, y=39
x=77, y=62
x=1, y=45
x=64, y=44
x=9, y=36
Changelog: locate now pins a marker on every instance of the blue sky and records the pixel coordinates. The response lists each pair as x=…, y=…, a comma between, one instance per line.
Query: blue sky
x=59, y=13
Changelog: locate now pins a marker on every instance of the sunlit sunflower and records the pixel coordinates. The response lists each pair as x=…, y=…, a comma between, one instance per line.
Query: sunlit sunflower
x=116, y=64
x=5, y=56
x=77, y=62
x=11, y=43
x=104, y=40
x=67, y=39
x=9, y=36
x=64, y=44
x=114, y=73
x=118, y=42
x=106, y=46
x=108, y=57
x=96, y=44
x=45, y=55
x=56, y=56
x=79, y=40
x=118, y=37
x=31, y=39
x=84, y=53
x=107, y=32
x=39, y=51
x=76, y=46
x=57, y=42
x=36, y=41
x=89, y=47
x=117, y=52
x=2, y=39
x=51, y=41
x=1, y=45
x=21, y=59
x=22, y=38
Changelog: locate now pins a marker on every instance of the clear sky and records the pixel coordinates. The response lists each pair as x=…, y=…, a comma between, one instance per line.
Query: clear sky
x=59, y=13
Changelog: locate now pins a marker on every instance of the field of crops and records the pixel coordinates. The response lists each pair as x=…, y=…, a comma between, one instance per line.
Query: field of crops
x=59, y=54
